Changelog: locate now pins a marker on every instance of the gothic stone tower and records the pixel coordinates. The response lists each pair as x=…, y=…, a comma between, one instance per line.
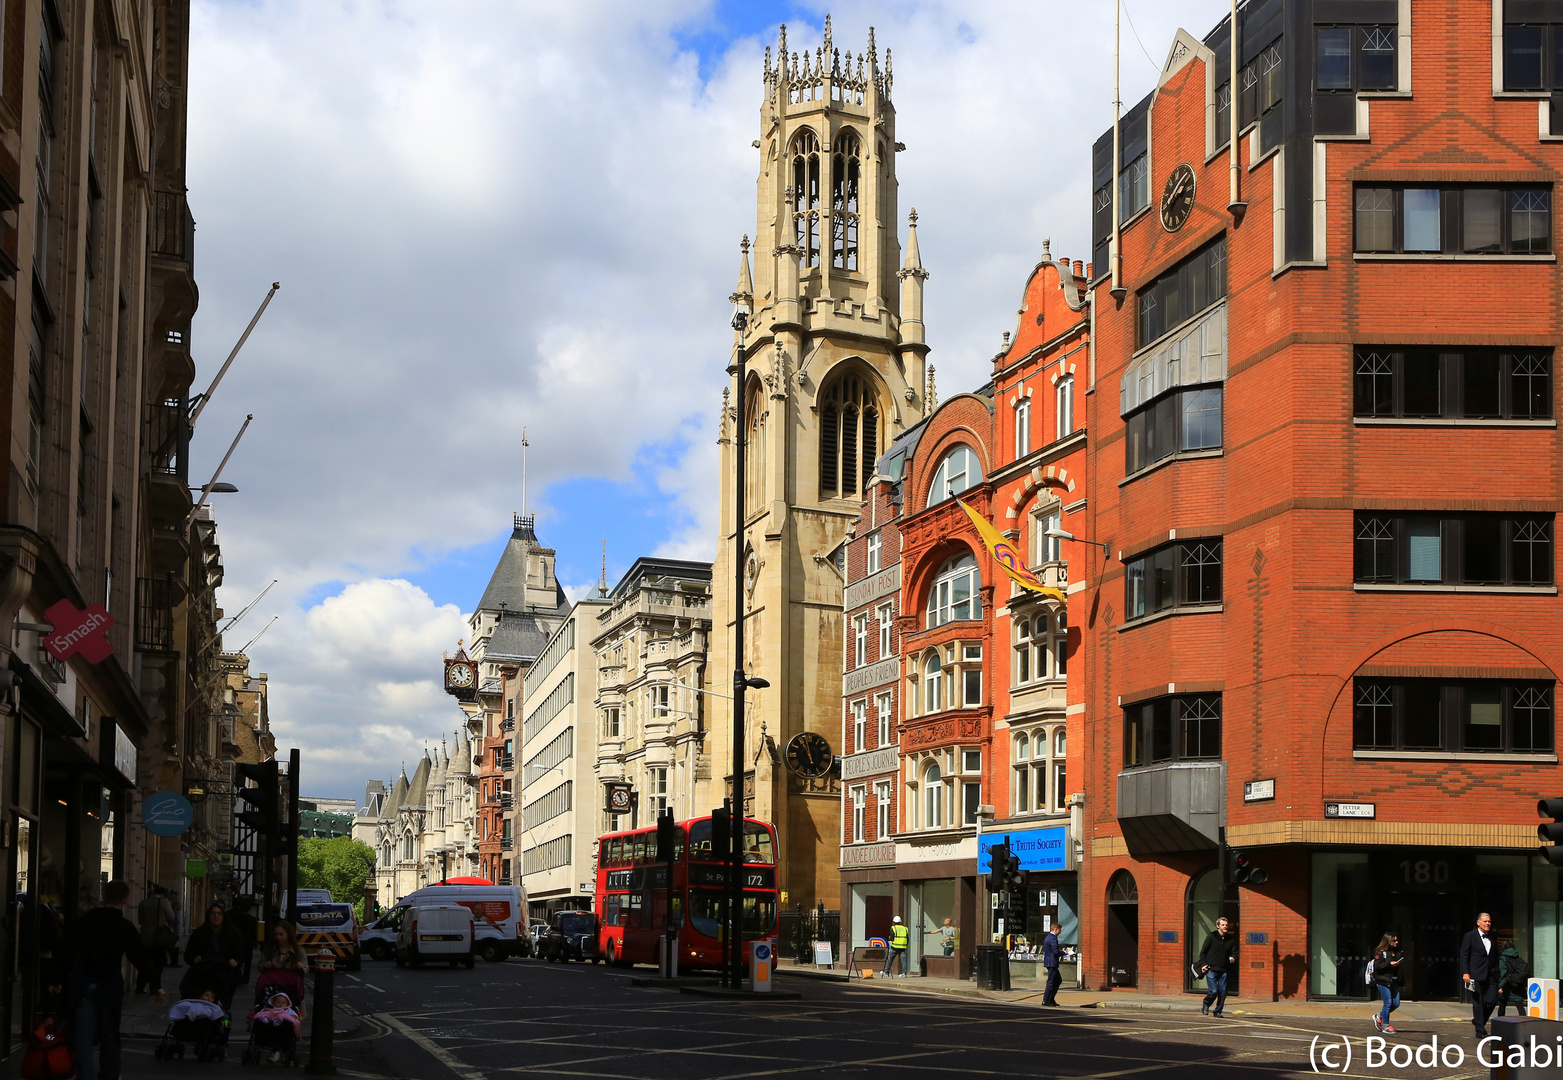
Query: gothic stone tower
x=835, y=353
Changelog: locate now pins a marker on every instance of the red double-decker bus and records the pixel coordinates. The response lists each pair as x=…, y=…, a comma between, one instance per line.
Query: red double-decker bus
x=633, y=893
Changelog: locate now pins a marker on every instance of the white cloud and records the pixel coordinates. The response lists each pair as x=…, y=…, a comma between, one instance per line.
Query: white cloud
x=489, y=215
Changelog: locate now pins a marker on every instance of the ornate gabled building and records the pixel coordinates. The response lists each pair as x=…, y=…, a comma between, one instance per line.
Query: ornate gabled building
x=836, y=371
x=421, y=829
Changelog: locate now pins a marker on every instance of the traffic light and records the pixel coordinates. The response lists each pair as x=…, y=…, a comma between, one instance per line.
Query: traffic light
x=1242, y=869
x=1552, y=808
x=667, y=836
x=998, y=865
x=1014, y=876
x=721, y=833
x=264, y=797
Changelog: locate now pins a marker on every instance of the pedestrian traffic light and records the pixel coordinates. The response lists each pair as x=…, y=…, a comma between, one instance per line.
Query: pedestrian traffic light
x=1242, y=869
x=1553, y=832
x=998, y=861
x=667, y=835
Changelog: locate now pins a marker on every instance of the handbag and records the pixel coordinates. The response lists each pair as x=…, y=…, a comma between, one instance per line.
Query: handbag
x=48, y=1054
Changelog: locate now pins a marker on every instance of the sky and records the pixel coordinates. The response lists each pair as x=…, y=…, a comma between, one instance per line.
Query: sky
x=497, y=219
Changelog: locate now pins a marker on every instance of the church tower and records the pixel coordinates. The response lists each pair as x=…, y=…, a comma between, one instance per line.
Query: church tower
x=836, y=357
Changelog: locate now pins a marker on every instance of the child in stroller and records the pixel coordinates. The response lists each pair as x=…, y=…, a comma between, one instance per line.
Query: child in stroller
x=199, y=1021
x=275, y=1029
x=275, y=1022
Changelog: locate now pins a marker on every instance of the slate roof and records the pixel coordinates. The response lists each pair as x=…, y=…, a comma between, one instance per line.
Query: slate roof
x=507, y=587
x=652, y=567
x=521, y=636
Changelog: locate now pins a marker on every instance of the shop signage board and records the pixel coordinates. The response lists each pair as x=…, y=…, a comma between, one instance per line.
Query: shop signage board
x=117, y=751
x=880, y=673
x=1042, y=849
x=867, y=855
x=1258, y=790
x=77, y=631
x=1350, y=810
x=823, y=957
x=166, y=813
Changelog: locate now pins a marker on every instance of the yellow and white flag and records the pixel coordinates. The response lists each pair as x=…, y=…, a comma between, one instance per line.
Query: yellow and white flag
x=1008, y=558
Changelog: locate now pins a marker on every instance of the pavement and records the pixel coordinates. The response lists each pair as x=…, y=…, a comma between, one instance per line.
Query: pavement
x=1030, y=993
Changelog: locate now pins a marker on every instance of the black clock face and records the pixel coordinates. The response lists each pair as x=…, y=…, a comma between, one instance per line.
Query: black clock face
x=808, y=754
x=619, y=798
x=1177, y=198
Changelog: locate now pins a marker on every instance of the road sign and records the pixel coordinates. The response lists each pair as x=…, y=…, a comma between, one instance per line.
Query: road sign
x=760, y=966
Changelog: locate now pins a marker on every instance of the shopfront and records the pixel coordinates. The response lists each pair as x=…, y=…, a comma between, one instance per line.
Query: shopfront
x=925, y=882
x=1430, y=897
x=1051, y=895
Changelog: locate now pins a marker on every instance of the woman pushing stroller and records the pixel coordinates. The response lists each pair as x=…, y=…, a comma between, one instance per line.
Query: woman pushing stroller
x=215, y=953
x=276, y=1022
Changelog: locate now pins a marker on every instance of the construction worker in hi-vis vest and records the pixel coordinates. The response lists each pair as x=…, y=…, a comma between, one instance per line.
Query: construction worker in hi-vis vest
x=900, y=938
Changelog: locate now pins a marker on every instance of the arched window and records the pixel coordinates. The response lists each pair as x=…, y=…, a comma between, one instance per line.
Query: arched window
x=959, y=470
x=933, y=797
x=385, y=854
x=754, y=451
x=844, y=202
x=933, y=682
x=1059, y=742
x=805, y=195
x=848, y=437
x=953, y=596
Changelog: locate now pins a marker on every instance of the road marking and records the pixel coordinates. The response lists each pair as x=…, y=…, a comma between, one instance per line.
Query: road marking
x=439, y=1053
x=366, y=982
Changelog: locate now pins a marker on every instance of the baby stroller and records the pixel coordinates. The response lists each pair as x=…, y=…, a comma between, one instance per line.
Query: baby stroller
x=208, y=1036
x=208, y=975
x=266, y=1039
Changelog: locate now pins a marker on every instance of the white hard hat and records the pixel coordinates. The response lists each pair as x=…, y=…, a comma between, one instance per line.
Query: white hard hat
x=896, y=919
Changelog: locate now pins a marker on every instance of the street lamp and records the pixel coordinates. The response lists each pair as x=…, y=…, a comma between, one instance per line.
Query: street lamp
x=1055, y=533
x=741, y=680
x=223, y=488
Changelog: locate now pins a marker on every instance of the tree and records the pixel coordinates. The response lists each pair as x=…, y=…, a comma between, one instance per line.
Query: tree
x=340, y=864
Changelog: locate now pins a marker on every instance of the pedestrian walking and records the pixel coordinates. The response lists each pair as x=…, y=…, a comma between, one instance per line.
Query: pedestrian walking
x=1050, y=953
x=215, y=945
x=175, y=924
x=98, y=945
x=947, y=936
x=1479, y=972
x=900, y=938
x=155, y=917
x=1216, y=958
x=1513, y=978
x=1386, y=976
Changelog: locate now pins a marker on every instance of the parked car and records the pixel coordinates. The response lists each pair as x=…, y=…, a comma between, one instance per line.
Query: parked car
x=436, y=932
x=536, y=932
x=571, y=935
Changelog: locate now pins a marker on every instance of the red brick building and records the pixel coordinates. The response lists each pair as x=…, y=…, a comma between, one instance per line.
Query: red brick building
x=955, y=706
x=1324, y=458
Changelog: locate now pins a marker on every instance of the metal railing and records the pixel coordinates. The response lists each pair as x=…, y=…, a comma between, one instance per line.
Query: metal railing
x=173, y=229
x=507, y=844
x=167, y=437
x=155, y=600
x=508, y=725
x=799, y=929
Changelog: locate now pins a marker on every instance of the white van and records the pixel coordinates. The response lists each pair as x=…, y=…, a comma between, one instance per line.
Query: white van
x=435, y=932
x=499, y=907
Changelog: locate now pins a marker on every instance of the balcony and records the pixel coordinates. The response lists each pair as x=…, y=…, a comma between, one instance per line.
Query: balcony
x=507, y=802
x=507, y=844
x=509, y=724
x=155, y=601
x=1172, y=807
x=173, y=228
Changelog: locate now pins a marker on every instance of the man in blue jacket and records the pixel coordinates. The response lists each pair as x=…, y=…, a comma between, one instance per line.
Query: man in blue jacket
x=1050, y=951
x=1479, y=971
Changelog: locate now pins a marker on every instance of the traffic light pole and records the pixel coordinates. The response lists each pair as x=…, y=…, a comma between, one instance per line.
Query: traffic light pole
x=736, y=821
x=291, y=831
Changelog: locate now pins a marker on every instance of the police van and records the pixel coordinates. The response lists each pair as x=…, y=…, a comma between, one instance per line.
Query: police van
x=328, y=927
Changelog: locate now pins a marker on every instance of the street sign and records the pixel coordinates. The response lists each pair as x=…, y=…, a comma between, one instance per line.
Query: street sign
x=1258, y=790
x=166, y=813
x=1350, y=810
x=760, y=966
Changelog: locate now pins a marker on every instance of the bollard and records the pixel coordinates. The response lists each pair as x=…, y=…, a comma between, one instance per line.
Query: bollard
x=321, y=1031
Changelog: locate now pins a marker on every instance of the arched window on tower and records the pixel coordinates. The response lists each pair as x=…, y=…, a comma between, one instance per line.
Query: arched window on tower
x=844, y=201
x=848, y=437
x=805, y=195
x=754, y=451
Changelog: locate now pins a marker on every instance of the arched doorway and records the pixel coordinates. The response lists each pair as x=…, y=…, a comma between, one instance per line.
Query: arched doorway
x=1204, y=908
x=1123, y=930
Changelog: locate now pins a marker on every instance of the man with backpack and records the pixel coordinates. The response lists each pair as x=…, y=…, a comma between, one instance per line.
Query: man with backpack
x=1513, y=977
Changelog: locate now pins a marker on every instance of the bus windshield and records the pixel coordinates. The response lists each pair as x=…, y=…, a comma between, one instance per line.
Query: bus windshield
x=757, y=843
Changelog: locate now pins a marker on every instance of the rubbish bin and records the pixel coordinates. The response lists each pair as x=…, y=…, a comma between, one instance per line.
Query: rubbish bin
x=992, y=967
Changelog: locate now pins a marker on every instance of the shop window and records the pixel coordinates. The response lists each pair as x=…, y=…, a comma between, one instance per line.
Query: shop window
x=953, y=597
x=1453, y=549
x=959, y=470
x=1463, y=716
x=1186, y=574
x=1452, y=220
x=1178, y=294
x=1453, y=383
x=1179, y=727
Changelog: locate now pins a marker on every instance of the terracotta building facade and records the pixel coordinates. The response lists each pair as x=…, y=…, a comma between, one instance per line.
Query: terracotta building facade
x=1319, y=638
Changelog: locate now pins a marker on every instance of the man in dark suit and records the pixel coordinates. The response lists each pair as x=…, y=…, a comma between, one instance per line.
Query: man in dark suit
x=1050, y=951
x=1479, y=971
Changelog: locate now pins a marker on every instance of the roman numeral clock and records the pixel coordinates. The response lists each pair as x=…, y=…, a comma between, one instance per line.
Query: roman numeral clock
x=461, y=676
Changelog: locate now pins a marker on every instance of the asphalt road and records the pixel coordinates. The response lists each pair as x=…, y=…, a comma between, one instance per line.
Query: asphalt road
x=530, y=1018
